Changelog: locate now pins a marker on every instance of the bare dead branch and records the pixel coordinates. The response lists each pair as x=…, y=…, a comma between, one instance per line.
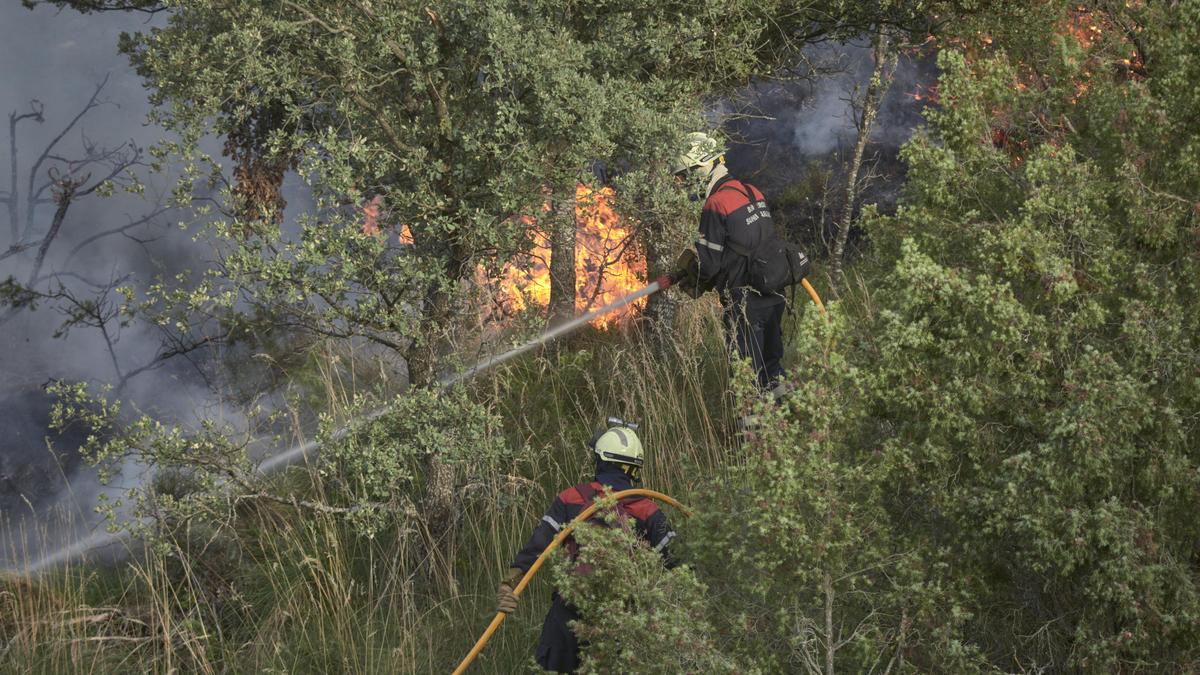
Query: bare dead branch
x=117, y=230
x=37, y=108
x=92, y=102
x=65, y=194
x=878, y=84
x=149, y=7
x=16, y=248
x=181, y=348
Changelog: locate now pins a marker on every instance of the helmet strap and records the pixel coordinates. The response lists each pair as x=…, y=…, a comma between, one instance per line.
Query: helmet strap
x=715, y=173
x=631, y=470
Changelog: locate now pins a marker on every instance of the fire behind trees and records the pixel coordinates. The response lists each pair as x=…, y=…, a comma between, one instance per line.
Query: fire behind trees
x=987, y=459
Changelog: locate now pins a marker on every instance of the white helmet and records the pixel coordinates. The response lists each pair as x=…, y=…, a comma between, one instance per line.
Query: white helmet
x=701, y=149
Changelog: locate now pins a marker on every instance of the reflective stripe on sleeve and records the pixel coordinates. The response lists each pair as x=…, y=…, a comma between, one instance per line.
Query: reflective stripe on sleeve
x=665, y=540
x=704, y=242
x=554, y=523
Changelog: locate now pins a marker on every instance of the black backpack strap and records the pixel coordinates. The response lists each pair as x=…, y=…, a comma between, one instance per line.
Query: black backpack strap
x=729, y=185
x=749, y=195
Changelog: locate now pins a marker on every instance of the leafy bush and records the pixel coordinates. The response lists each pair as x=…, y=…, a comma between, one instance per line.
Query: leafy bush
x=379, y=468
x=636, y=616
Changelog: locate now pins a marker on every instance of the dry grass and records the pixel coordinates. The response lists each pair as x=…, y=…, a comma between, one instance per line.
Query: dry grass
x=276, y=590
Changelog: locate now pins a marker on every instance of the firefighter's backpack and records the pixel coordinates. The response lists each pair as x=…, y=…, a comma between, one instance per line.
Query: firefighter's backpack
x=772, y=264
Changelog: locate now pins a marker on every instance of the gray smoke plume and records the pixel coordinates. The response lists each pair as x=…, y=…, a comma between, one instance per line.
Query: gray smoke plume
x=51, y=64
x=785, y=132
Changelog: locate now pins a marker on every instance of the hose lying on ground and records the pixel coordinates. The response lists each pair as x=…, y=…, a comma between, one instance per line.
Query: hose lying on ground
x=555, y=543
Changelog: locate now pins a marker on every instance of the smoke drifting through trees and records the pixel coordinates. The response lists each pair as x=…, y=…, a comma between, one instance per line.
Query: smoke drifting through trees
x=793, y=138
x=811, y=125
x=63, y=73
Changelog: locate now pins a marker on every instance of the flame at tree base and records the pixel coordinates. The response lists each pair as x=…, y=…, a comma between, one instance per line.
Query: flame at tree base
x=608, y=264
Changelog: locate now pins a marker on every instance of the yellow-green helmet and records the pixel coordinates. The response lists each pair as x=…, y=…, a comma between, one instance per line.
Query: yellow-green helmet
x=619, y=445
x=701, y=149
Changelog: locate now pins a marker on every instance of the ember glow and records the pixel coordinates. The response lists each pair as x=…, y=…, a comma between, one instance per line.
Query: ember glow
x=607, y=263
x=370, y=213
x=370, y=223
x=1085, y=25
x=1106, y=52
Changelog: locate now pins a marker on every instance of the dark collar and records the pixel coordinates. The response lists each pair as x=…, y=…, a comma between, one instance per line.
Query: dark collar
x=614, y=478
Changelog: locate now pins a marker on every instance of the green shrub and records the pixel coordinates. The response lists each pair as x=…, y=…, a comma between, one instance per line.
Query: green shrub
x=636, y=616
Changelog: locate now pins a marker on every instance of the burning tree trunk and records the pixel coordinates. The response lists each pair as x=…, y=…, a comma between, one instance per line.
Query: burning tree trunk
x=880, y=79
x=562, y=258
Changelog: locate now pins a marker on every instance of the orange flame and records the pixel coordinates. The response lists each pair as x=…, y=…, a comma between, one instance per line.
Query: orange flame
x=607, y=264
x=371, y=215
x=371, y=211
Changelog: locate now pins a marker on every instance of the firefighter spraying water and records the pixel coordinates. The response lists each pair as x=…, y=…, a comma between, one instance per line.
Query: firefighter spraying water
x=738, y=255
x=295, y=454
x=299, y=452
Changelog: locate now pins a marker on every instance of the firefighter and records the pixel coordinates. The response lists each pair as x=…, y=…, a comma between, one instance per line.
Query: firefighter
x=618, y=455
x=753, y=320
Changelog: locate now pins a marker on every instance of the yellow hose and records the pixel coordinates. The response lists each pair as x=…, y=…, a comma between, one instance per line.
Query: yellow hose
x=812, y=293
x=558, y=540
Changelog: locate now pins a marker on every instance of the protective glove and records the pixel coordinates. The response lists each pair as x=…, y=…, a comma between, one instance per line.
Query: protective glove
x=687, y=272
x=506, y=600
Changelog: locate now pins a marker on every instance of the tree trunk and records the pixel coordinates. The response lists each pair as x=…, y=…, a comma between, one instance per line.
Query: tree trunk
x=440, y=499
x=830, y=643
x=562, y=258
x=880, y=80
x=440, y=507
x=14, y=224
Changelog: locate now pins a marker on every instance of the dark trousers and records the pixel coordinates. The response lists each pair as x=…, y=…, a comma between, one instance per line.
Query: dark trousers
x=757, y=334
x=558, y=650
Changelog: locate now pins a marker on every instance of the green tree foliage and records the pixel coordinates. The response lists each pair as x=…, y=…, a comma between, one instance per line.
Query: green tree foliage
x=372, y=473
x=377, y=469
x=808, y=570
x=463, y=115
x=635, y=615
x=1004, y=443
x=1041, y=359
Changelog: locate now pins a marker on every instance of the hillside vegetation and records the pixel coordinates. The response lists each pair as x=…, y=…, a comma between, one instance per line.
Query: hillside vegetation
x=989, y=459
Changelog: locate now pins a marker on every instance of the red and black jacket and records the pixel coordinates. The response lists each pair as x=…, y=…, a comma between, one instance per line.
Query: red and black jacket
x=729, y=213
x=649, y=521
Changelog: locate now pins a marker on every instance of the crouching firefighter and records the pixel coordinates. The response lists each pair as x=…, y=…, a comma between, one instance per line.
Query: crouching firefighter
x=739, y=254
x=619, y=458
